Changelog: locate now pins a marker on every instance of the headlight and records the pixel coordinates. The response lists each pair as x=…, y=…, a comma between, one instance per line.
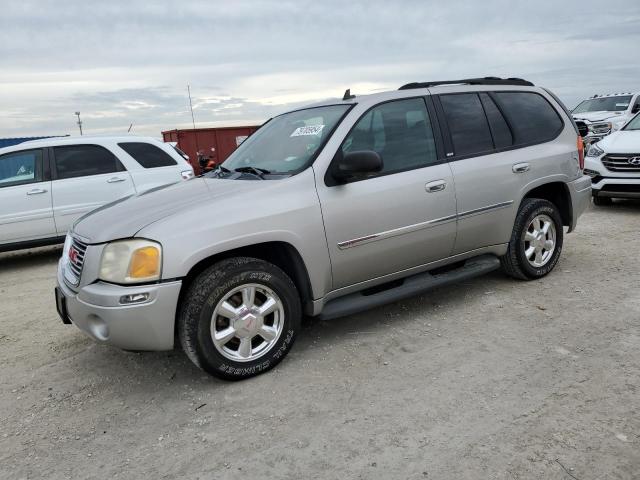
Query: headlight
x=131, y=261
x=594, y=151
x=600, y=128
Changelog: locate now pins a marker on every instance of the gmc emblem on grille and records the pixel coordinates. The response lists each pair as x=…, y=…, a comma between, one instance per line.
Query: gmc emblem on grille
x=634, y=161
x=73, y=255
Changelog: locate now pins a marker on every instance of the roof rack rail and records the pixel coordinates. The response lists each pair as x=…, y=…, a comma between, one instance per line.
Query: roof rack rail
x=470, y=81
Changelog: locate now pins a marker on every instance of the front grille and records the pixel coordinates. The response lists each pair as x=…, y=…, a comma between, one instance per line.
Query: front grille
x=600, y=128
x=622, y=162
x=75, y=259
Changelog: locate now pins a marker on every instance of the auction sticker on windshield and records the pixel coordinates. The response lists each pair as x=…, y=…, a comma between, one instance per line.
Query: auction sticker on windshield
x=310, y=130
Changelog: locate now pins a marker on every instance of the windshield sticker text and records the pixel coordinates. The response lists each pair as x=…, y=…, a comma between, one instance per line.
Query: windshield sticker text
x=310, y=130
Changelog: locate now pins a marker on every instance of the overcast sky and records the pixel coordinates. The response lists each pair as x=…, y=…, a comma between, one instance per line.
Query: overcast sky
x=122, y=62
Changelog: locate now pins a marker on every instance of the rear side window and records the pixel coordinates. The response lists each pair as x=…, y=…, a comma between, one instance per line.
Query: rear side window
x=531, y=116
x=467, y=123
x=19, y=168
x=147, y=155
x=499, y=128
x=400, y=131
x=84, y=160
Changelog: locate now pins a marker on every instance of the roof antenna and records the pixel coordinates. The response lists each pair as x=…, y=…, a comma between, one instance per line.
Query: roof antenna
x=347, y=95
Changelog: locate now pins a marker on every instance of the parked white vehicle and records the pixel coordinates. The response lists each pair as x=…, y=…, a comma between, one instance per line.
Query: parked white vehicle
x=46, y=185
x=614, y=164
x=601, y=115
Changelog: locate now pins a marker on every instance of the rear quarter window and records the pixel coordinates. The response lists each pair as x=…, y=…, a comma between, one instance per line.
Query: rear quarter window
x=531, y=117
x=147, y=155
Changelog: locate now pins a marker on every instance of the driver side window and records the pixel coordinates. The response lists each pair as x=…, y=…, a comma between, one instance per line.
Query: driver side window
x=399, y=131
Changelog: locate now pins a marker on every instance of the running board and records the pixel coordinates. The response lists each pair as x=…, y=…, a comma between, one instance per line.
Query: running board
x=411, y=286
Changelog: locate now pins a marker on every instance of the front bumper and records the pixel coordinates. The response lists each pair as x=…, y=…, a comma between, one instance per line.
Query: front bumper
x=96, y=310
x=612, y=184
x=580, y=191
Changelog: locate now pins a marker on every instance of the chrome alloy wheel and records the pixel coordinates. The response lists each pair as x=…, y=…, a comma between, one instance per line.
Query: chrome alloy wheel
x=540, y=240
x=247, y=322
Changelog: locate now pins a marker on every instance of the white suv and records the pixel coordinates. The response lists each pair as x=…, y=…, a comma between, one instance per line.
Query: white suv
x=601, y=115
x=614, y=164
x=46, y=185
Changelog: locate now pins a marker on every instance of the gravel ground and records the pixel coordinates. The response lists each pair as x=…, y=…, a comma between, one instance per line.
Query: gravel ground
x=492, y=378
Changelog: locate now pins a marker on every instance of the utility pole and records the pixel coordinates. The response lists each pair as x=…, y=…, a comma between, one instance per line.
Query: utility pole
x=79, y=122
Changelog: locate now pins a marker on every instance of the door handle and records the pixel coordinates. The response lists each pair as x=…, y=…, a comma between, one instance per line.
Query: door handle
x=115, y=180
x=521, y=168
x=435, y=186
x=36, y=191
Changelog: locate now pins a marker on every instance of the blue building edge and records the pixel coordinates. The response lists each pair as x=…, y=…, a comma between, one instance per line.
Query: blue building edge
x=8, y=142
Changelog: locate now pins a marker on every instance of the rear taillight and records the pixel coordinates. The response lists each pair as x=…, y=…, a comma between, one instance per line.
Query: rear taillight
x=580, y=146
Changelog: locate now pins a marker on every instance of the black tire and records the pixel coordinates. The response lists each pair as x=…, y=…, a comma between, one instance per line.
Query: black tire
x=514, y=262
x=602, y=201
x=206, y=291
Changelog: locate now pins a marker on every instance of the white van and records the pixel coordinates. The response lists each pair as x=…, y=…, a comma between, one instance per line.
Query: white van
x=46, y=185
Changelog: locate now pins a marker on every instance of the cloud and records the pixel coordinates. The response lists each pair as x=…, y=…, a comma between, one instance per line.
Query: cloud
x=129, y=62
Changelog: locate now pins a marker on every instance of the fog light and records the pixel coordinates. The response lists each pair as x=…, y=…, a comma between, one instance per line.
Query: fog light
x=134, y=298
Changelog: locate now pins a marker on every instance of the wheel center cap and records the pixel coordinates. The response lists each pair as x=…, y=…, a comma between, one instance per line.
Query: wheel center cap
x=247, y=323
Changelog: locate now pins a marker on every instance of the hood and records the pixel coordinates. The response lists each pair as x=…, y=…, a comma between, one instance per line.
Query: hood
x=598, y=116
x=623, y=141
x=127, y=216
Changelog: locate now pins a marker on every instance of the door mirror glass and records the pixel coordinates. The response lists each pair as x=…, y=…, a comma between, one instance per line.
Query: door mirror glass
x=358, y=163
x=636, y=108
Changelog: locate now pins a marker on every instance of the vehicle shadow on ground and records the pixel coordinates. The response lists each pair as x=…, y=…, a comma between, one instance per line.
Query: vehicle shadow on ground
x=30, y=258
x=622, y=205
x=156, y=368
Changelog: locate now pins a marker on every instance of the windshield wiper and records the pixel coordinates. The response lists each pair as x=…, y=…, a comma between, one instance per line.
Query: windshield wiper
x=258, y=172
x=217, y=171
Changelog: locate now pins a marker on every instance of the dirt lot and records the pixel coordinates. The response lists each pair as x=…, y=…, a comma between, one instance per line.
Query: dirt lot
x=493, y=378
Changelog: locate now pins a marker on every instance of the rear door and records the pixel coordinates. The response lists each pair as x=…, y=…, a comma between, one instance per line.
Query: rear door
x=84, y=178
x=400, y=218
x=493, y=142
x=25, y=197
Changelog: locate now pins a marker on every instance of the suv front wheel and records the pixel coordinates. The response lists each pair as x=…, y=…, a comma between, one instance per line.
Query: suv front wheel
x=239, y=318
x=536, y=241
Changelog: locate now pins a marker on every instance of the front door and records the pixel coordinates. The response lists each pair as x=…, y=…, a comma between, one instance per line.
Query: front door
x=399, y=218
x=25, y=198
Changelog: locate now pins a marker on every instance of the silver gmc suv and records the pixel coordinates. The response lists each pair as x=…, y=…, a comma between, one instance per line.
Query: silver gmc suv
x=329, y=210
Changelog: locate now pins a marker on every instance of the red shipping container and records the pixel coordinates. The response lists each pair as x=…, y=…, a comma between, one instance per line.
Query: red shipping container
x=215, y=143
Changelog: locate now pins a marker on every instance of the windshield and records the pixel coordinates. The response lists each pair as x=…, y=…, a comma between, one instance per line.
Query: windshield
x=287, y=143
x=634, y=124
x=604, y=104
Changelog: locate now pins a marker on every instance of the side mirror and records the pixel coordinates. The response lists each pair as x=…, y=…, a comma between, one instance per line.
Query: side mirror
x=635, y=108
x=356, y=164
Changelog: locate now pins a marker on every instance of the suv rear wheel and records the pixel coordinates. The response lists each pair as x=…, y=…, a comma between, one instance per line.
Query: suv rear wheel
x=536, y=241
x=239, y=318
